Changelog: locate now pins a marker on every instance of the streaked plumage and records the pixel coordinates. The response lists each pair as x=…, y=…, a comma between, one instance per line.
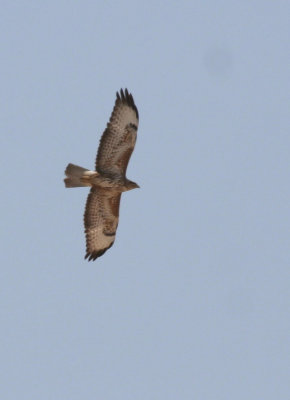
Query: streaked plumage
x=108, y=181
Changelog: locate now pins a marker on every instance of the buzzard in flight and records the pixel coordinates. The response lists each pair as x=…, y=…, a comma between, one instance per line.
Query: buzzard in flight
x=108, y=181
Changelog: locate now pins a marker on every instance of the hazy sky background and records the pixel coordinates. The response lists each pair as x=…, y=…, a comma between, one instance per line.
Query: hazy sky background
x=192, y=301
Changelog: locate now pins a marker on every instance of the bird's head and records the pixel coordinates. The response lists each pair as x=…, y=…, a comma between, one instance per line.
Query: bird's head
x=131, y=185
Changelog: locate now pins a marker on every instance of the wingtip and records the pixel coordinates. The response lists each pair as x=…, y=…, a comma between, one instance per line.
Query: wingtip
x=126, y=97
x=94, y=255
x=122, y=95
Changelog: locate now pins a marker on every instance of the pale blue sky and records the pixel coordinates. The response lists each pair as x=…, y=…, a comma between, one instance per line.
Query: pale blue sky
x=192, y=301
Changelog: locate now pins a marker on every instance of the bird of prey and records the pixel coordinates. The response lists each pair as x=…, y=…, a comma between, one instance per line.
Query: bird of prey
x=108, y=181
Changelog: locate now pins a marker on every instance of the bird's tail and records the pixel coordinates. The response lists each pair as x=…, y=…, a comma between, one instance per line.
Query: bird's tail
x=77, y=176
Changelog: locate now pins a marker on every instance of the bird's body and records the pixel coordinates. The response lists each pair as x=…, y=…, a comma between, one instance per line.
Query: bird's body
x=108, y=181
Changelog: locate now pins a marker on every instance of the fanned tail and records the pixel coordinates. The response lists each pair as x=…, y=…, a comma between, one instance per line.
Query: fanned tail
x=75, y=176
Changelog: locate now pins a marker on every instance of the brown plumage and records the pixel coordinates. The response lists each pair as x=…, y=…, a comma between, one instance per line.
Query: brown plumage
x=108, y=181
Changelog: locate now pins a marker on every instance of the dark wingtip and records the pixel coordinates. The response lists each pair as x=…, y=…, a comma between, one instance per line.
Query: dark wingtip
x=128, y=99
x=95, y=254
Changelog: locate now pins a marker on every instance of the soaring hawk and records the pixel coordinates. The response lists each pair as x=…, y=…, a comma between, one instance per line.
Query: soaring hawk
x=108, y=181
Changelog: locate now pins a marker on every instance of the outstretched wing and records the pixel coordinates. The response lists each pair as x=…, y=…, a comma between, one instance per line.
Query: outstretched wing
x=101, y=221
x=118, y=139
